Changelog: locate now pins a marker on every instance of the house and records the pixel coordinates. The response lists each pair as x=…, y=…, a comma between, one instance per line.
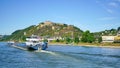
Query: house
x=118, y=33
x=117, y=38
x=108, y=38
x=1, y=36
x=111, y=38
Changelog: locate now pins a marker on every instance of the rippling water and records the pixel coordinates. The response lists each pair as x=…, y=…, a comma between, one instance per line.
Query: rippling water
x=59, y=57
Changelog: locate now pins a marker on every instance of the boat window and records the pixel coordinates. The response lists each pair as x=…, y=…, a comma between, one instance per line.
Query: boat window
x=28, y=37
x=35, y=41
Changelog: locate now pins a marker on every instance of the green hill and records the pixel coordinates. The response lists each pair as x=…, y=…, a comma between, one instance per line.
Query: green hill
x=46, y=29
x=51, y=30
x=111, y=32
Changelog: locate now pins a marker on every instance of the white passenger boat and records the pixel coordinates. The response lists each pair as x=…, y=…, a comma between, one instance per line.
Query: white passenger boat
x=34, y=43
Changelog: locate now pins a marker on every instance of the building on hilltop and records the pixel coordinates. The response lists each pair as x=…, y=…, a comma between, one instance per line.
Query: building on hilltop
x=48, y=23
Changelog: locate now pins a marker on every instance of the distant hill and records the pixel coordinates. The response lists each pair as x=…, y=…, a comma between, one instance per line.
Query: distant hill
x=46, y=29
x=3, y=37
x=111, y=32
x=51, y=29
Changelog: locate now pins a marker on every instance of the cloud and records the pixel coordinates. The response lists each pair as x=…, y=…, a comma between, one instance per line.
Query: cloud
x=97, y=1
x=118, y=0
x=110, y=6
x=109, y=10
x=106, y=18
x=113, y=4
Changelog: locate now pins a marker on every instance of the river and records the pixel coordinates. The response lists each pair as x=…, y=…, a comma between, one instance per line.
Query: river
x=57, y=56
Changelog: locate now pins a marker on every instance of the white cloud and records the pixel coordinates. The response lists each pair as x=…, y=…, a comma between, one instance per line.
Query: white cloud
x=109, y=6
x=113, y=4
x=106, y=18
x=118, y=0
x=109, y=10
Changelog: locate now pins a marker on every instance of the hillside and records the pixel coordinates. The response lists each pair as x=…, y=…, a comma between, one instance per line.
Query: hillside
x=46, y=29
x=111, y=32
x=54, y=30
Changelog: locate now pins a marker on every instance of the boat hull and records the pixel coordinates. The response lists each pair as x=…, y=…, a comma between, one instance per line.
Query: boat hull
x=38, y=46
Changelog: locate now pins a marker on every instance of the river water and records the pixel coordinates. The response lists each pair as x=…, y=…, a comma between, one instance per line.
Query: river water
x=59, y=57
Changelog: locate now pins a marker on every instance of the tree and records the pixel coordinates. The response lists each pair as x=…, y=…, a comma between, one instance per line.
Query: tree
x=118, y=29
x=87, y=37
x=84, y=36
x=67, y=40
x=23, y=38
x=57, y=40
x=90, y=38
x=99, y=39
x=76, y=40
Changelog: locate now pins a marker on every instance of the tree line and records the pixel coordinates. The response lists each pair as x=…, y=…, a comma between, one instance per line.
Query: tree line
x=86, y=37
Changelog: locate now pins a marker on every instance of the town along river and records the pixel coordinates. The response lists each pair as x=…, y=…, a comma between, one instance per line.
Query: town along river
x=59, y=57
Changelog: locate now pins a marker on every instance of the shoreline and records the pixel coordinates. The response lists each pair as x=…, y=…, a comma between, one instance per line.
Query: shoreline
x=87, y=45
x=102, y=45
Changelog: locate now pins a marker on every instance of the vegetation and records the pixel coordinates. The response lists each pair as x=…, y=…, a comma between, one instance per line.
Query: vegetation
x=118, y=29
x=45, y=40
x=76, y=40
x=87, y=37
x=68, y=40
x=68, y=33
x=111, y=32
x=45, y=29
x=99, y=39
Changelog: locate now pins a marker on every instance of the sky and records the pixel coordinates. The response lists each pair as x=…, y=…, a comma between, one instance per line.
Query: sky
x=93, y=15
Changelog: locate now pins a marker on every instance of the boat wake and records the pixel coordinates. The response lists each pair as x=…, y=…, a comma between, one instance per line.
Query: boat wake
x=42, y=51
x=19, y=47
x=45, y=51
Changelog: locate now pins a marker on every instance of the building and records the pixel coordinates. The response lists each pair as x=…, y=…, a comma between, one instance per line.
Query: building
x=1, y=36
x=118, y=33
x=108, y=38
x=111, y=38
x=117, y=38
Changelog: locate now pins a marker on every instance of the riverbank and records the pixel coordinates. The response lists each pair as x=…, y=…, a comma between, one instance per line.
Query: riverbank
x=105, y=45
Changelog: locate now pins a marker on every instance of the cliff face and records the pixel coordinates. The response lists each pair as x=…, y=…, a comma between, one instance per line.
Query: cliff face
x=49, y=29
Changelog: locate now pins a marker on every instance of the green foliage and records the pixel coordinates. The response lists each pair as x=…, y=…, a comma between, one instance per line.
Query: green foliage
x=76, y=40
x=61, y=30
x=91, y=38
x=84, y=36
x=65, y=25
x=57, y=40
x=87, y=37
x=99, y=39
x=118, y=29
x=68, y=40
x=23, y=38
x=17, y=31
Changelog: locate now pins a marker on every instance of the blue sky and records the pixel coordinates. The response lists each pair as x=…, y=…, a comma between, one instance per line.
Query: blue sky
x=93, y=15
